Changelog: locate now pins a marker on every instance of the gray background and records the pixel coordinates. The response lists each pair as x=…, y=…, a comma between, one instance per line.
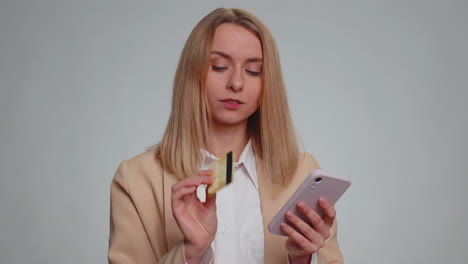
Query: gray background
x=377, y=90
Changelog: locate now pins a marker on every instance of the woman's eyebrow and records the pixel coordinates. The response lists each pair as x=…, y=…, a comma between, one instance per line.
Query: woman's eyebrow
x=227, y=56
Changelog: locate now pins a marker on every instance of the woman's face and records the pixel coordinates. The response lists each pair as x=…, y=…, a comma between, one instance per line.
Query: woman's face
x=234, y=82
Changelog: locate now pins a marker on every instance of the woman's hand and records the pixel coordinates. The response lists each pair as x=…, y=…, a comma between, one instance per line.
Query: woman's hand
x=196, y=220
x=307, y=240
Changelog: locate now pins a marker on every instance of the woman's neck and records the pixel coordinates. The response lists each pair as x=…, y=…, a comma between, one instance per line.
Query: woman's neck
x=224, y=138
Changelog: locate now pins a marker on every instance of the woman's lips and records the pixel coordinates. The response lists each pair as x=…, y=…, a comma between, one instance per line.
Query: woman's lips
x=231, y=103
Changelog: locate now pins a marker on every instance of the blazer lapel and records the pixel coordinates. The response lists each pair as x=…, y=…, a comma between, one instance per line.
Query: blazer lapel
x=173, y=233
x=270, y=199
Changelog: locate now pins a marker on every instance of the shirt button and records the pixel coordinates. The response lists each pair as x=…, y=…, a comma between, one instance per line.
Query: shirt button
x=225, y=230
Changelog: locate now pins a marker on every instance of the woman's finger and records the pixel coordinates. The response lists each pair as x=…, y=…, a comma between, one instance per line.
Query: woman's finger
x=204, y=172
x=210, y=202
x=317, y=222
x=329, y=210
x=307, y=246
x=193, y=180
x=181, y=192
x=305, y=229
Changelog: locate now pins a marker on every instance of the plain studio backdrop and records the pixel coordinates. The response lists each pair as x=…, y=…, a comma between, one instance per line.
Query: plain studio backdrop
x=377, y=90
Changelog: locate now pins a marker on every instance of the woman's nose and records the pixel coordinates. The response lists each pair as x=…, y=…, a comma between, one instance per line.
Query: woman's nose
x=236, y=81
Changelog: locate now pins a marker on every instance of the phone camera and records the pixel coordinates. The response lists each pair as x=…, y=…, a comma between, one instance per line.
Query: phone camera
x=318, y=179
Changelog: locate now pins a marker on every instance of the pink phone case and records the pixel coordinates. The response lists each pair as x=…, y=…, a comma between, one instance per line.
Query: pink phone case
x=318, y=184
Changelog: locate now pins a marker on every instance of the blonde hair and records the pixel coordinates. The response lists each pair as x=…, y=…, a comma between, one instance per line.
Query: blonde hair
x=270, y=127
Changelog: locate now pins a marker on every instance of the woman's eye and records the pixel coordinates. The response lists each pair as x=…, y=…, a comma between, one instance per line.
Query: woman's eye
x=253, y=73
x=218, y=68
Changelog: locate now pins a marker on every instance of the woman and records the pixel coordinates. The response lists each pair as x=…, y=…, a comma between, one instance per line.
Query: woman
x=228, y=95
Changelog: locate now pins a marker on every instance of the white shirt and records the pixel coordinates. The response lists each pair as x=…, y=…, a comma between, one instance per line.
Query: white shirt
x=239, y=237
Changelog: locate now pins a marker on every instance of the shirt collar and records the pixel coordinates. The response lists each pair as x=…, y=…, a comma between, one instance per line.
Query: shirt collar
x=247, y=158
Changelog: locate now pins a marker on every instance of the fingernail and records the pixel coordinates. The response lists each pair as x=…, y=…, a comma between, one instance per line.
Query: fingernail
x=322, y=201
x=284, y=225
x=301, y=205
x=289, y=214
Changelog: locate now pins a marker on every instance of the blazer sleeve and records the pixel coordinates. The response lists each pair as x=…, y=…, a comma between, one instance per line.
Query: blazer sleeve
x=128, y=240
x=330, y=253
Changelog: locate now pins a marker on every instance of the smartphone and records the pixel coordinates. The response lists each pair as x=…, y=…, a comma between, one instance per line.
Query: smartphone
x=318, y=184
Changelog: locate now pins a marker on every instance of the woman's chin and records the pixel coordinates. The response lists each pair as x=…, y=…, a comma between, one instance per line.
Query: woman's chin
x=230, y=122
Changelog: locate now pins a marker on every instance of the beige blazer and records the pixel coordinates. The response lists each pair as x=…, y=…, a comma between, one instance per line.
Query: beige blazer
x=143, y=229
